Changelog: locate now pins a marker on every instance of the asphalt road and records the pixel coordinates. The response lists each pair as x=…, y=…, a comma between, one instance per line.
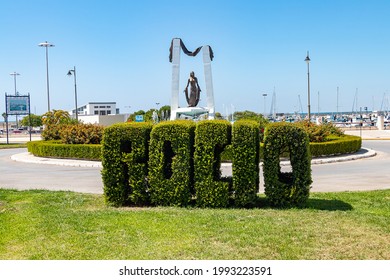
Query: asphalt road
x=363, y=174
x=19, y=175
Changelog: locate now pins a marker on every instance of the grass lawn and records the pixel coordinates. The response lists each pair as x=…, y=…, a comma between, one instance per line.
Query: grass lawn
x=64, y=225
x=12, y=146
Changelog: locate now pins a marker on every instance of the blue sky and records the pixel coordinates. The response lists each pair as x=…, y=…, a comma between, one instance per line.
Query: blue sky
x=120, y=50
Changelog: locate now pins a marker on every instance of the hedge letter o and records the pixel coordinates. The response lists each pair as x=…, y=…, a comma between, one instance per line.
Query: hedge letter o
x=286, y=189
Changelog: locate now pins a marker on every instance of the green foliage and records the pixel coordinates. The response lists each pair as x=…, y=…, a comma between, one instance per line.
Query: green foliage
x=32, y=120
x=210, y=139
x=249, y=115
x=345, y=144
x=131, y=118
x=125, y=163
x=246, y=145
x=59, y=150
x=285, y=189
x=170, y=163
x=81, y=133
x=319, y=133
x=53, y=122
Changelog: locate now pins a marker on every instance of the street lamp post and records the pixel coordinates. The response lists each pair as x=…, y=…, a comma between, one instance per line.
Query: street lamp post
x=16, y=93
x=307, y=59
x=15, y=74
x=47, y=45
x=264, y=95
x=75, y=90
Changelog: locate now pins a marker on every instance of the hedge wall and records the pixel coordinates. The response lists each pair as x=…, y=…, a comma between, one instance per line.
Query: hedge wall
x=125, y=149
x=211, y=137
x=245, y=144
x=345, y=144
x=170, y=163
x=59, y=150
x=284, y=189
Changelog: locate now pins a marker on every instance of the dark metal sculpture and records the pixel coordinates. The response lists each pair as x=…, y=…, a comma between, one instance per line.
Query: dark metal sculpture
x=193, y=98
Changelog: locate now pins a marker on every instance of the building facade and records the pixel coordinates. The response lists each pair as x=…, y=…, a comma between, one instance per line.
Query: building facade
x=97, y=108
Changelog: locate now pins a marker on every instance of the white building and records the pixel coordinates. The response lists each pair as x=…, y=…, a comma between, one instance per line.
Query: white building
x=96, y=108
x=103, y=113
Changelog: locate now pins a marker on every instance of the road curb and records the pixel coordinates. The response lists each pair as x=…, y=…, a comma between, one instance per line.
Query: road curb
x=26, y=157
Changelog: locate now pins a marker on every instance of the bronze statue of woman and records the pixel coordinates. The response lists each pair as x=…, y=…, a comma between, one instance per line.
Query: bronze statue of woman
x=194, y=97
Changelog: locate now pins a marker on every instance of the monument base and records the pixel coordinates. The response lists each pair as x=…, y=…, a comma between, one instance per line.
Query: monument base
x=192, y=112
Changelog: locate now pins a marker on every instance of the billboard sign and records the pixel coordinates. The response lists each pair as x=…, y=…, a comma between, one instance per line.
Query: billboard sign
x=139, y=118
x=18, y=105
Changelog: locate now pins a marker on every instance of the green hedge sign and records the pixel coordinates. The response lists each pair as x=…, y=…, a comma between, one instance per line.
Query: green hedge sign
x=178, y=164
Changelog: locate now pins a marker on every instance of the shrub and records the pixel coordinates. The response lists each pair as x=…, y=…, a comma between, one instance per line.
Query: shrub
x=284, y=189
x=336, y=145
x=53, y=122
x=81, y=133
x=124, y=161
x=321, y=132
x=210, y=139
x=58, y=150
x=246, y=145
x=170, y=163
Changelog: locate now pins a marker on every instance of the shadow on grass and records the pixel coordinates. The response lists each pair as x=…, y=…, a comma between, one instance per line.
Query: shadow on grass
x=328, y=204
x=312, y=203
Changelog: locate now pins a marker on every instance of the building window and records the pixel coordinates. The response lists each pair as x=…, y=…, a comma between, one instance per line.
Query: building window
x=102, y=113
x=95, y=106
x=102, y=106
x=96, y=112
x=108, y=112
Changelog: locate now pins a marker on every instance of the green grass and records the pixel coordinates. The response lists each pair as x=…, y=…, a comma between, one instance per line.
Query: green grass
x=12, y=146
x=64, y=225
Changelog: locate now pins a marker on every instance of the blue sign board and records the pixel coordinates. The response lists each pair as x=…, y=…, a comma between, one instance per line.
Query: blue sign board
x=139, y=118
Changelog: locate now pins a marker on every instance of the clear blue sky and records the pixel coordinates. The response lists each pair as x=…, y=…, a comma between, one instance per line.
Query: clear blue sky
x=120, y=50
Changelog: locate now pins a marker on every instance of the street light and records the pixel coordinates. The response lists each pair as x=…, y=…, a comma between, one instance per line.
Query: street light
x=265, y=95
x=307, y=59
x=75, y=90
x=15, y=74
x=47, y=45
x=16, y=93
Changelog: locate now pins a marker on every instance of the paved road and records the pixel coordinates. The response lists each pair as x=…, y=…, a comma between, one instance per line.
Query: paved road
x=22, y=176
x=362, y=174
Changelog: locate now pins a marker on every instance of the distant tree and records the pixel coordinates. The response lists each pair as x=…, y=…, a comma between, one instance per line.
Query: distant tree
x=57, y=117
x=164, y=113
x=218, y=116
x=249, y=115
x=131, y=118
x=36, y=121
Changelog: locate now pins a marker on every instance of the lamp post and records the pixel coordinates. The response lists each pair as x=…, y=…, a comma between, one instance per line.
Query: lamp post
x=307, y=59
x=264, y=95
x=14, y=74
x=75, y=90
x=16, y=93
x=47, y=45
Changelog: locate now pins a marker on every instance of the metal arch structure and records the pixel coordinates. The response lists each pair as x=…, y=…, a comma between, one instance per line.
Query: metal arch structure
x=176, y=46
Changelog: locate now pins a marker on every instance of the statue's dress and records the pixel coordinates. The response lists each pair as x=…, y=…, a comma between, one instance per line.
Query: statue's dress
x=193, y=99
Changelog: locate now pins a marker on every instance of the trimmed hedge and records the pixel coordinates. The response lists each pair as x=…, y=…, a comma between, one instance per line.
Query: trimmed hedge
x=286, y=189
x=245, y=144
x=170, y=163
x=125, y=150
x=345, y=144
x=211, y=137
x=58, y=150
